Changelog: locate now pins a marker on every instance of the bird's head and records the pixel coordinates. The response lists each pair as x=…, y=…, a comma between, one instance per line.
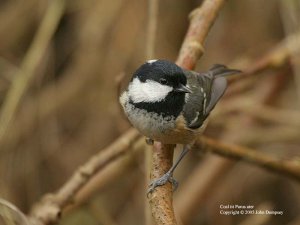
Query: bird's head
x=155, y=80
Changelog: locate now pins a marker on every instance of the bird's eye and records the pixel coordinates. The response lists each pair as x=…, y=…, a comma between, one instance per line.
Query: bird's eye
x=163, y=81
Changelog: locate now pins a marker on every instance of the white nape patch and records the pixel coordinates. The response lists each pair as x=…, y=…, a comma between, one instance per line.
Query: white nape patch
x=151, y=61
x=149, y=91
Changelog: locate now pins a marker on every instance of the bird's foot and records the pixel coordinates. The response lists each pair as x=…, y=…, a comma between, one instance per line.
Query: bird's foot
x=167, y=177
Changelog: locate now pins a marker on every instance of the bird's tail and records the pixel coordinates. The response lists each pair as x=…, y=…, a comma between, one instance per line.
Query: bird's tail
x=218, y=83
x=219, y=70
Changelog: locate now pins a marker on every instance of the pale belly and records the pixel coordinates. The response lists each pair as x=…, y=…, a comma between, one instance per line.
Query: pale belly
x=166, y=130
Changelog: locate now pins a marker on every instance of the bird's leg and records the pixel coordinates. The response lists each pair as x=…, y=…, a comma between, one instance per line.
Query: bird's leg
x=168, y=176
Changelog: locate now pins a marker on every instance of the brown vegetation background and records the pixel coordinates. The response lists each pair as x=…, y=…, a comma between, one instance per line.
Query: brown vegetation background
x=69, y=109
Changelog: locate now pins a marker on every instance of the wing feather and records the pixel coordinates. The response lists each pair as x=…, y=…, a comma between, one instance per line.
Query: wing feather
x=207, y=90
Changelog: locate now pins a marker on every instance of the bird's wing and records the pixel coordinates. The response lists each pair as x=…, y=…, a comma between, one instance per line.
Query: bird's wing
x=207, y=89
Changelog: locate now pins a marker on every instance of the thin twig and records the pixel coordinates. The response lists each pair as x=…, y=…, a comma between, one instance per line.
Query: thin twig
x=202, y=19
x=274, y=58
x=286, y=167
x=108, y=175
x=50, y=207
x=222, y=166
x=273, y=114
x=41, y=213
x=31, y=60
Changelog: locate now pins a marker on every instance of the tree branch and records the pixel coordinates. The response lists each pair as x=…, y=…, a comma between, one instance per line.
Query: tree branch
x=49, y=209
x=161, y=199
x=286, y=167
x=202, y=19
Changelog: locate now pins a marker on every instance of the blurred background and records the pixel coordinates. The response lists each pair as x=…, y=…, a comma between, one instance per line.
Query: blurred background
x=65, y=108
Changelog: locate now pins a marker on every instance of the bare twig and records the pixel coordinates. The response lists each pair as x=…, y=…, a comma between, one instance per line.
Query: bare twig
x=109, y=174
x=32, y=58
x=221, y=166
x=273, y=114
x=161, y=200
x=162, y=158
x=49, y=209
x=202, y=19
x=200, y=182
x=275, y=58
x=286, y=167
x=267, y=113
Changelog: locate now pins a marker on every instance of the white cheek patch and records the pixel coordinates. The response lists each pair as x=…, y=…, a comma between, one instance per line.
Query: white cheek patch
x=149, y=91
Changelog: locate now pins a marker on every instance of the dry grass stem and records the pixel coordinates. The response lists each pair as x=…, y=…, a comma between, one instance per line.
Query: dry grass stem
x=31, y=60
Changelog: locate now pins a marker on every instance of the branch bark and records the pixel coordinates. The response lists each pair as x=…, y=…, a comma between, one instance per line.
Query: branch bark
x=187, y=203
x=286, y=167
x=50, y=207
x=161, y=200
x=48, y=210
x=202, y=18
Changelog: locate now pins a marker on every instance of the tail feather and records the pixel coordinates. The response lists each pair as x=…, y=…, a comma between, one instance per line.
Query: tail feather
x=219, y=84
x=219, y=70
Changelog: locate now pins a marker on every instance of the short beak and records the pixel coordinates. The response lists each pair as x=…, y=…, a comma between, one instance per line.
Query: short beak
x=183, y=89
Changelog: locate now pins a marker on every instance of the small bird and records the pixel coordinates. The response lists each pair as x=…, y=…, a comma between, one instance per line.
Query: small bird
x=169, y=104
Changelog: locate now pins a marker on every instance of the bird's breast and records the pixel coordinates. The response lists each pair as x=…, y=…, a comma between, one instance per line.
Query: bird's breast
x=166, y=129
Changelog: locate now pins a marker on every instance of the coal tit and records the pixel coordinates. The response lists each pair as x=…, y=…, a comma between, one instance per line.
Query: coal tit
x=169, y=104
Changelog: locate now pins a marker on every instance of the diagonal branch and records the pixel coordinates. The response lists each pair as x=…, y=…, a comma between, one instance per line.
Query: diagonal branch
x=202, y=19
x=49, y=209
x=286, y=167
